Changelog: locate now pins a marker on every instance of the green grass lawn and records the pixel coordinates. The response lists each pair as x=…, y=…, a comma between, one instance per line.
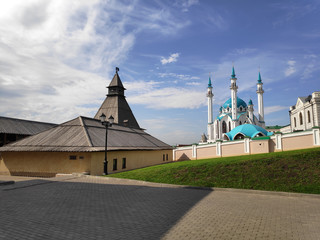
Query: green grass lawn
x=292, y=171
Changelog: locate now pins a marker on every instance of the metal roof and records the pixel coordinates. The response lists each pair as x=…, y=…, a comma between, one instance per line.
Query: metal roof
x=84, y=134
x=248, y=130
x=115, y=104
x=22, y=127
x=240, y=102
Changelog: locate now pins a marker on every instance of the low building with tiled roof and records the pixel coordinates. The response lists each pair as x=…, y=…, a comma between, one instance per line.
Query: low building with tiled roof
x=13, y=129
x=78, y=145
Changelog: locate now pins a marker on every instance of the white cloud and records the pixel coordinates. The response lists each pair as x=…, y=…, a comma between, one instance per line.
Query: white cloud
x=52, y=53
x=172, y=58
x=312, y=66
x=172, y=130
x=272, y=109
x=193, y=83
x=141, y=86
x=186, y=4
x=184, y=77
x=170, y=98
x=291, y=68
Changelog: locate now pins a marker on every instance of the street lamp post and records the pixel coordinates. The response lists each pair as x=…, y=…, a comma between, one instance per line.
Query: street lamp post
x=107, y=124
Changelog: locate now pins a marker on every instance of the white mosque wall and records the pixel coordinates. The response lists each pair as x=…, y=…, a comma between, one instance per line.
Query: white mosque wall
x=275, y=143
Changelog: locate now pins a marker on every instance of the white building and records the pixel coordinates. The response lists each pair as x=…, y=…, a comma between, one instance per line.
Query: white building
x=306, y=113
x=234, y=112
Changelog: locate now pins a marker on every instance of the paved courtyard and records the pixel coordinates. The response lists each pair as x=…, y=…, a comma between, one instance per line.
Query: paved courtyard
x=73, y=207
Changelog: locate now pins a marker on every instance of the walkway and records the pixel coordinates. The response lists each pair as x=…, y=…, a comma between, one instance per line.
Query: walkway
x=71, y=207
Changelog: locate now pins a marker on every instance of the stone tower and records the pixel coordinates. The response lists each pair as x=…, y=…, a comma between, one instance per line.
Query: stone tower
x=116, y=104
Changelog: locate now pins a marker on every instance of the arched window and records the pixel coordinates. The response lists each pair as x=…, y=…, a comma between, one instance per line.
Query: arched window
x=295, y=122
x=309, y=119
x=225, y=137
x=218, y=130
x=229, y=126
x=259, y=135
x=240, y=108
x=300, y=118
x=224, y=127
x=240, y=123
x=238, y=136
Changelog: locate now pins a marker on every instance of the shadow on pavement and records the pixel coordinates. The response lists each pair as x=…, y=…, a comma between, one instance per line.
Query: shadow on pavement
x=43, y=209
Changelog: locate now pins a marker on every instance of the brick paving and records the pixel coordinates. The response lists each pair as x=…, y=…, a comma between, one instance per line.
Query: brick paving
x=73, y=207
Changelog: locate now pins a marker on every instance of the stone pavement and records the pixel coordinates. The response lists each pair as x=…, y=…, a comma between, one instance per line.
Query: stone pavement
x=80, y=207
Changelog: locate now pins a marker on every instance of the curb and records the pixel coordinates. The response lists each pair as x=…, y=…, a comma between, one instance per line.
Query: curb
x=2, y=183
x=248, y=191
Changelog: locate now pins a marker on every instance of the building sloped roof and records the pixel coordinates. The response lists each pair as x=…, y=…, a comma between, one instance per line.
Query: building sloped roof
x=240, y=102
x=248, y=130
x=84, y=134
x=22, y=127
x=115, y=104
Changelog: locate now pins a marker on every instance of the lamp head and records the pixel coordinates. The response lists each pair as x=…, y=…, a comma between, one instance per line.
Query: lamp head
x=111, y=119
x=102, y=118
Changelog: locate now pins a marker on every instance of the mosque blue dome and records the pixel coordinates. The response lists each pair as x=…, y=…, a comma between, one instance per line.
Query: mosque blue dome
x=240, y=102
x=247, y=130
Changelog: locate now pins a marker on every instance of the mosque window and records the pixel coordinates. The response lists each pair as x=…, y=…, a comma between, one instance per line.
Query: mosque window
x=309, y=119
x=224, y=127
x=240, y=110
x=229, y=126
x=240, y=123
x=300, y=118
x=295, y=122
x=238, y=136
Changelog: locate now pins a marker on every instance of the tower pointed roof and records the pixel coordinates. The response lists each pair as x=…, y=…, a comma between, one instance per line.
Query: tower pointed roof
x=259, y=78
x=116, y=81
x=115, y=104
x=233, y=72
x=209, y=84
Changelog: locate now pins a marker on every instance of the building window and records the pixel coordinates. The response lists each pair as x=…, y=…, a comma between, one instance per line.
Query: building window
x=300, y=118
x=240, y=123
x=73, y=157
x=309, y=119
x=163, y=157
x=295, y=122
x=229, y=126
x=124, y=163
x=167, y=156
x=240, y=108
x=115, y=163
x=224, y=127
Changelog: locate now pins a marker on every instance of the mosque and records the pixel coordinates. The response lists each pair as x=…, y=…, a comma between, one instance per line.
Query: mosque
x=236, y=119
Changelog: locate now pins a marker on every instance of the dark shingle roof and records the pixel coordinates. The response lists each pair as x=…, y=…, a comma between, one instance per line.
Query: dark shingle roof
x=22, y=127
x=116, y=105
x=84, y=134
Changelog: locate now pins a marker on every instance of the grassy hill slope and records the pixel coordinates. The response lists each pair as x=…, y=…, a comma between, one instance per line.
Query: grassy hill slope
x=292, y=171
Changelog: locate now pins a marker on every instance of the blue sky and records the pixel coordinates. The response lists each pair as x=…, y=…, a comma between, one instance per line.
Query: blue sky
x=56, y=57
